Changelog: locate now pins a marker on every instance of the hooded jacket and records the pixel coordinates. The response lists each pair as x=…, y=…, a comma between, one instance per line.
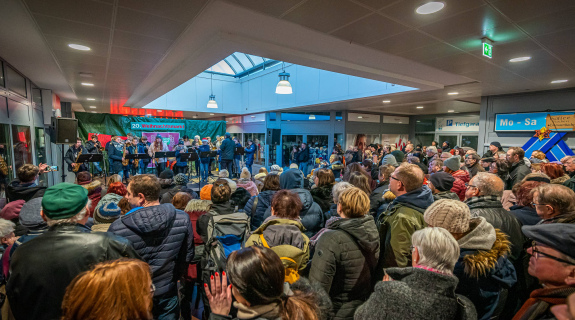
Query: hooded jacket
x=445, y=195
x=43, y=267
x=561, y=180
x=262, y=201
x=195, y=209
x=311, y=215
x=286, y=238
x=461, y=178
x=492, y=210
x=416, y=293
x=23, y=191
x=376, y=197
x=164, y=238
x=397, y=223
x=344, y=263
x=483, y=269
x=166, y=185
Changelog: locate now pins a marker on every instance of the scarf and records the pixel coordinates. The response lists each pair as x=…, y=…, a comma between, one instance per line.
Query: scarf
x=474, y=200
x=541, y=300
x=267, y=311
x=118, y=146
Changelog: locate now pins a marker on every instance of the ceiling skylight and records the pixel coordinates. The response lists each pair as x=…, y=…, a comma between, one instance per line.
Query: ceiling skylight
x=240, y=64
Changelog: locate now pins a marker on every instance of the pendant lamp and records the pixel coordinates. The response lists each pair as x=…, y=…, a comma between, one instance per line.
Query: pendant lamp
x=284, y=87
x=212, y=104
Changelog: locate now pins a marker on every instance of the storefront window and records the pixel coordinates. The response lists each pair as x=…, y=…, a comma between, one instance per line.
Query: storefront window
x=425, y=125
x=318, y=148
x=41, y=154
x=360, y=139
x=15, y=82
x=36, y=95
x=288, y=142
x=424, y=139
x=6, y=172
x=260, y=140
x=469, y=141
x=22, y=145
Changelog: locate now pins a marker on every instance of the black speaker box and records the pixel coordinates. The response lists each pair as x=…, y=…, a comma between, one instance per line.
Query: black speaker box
x=64, y=130
x=273, y=136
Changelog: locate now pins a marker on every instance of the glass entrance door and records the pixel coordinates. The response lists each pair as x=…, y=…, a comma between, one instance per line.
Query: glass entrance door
x=458, y=139
x=453, y=139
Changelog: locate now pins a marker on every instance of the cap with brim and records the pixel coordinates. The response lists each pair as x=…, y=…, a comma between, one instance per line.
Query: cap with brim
x=64, y=200
x=558, y=236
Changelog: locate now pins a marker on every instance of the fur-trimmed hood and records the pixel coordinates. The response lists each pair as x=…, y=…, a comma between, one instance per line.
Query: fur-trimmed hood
x=198, y=205
x=481, y=262
x=560, y=180
x=93, y=186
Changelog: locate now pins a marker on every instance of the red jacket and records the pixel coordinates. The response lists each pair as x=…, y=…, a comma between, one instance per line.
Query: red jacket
x=459, y=188
x=461, y=174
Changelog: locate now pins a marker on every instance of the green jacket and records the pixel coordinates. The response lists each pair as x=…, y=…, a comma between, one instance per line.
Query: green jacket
x=396, y=226
x=286, y=238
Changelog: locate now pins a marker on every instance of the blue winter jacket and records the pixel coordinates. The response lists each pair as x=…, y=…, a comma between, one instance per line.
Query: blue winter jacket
x=311, y=215
x=164, y=238
x=250, y=151
x=227, y=149
x=263, y=203
x=179, y=162
x=237, y=156
x=204, y=148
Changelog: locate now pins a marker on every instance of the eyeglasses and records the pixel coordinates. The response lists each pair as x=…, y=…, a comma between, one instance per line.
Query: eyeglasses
x=538, y=204
x=537, y=254
x=471, y=186
x=394, y=178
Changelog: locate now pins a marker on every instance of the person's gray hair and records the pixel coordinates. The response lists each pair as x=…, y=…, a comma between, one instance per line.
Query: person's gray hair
x=338, y=189
x=413, y=159
x=437, y=249
x=224, y=173
x=6, y=227
x=75, y=219
x=488, y=184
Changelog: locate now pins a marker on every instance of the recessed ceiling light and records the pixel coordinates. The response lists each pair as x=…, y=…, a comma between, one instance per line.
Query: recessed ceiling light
x=400, y=122
x=253, y=116
x=450, y=110
x=419, y=107
x=90, y=99
x=79, y=47
x=559, y=81
x=211, y=114
x=92, y=107
x=359, y=117
x=430, y=7
x=194, y=117
x=86, y=74
x=94, y=112
x=452, y=93
x=418, y=121
x=519, y=59
x=87, y=84
x=386, y=101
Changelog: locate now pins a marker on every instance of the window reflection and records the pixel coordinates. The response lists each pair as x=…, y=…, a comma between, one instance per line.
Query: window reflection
x=21, y=142
x=5, y=160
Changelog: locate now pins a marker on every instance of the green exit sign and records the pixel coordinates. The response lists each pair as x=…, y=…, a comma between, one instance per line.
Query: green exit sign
x=487, y=50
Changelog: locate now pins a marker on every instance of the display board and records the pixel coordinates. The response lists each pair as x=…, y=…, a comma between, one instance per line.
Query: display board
x=556, y=121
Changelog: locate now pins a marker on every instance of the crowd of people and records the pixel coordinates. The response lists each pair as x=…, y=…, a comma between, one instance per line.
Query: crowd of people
x=379, y=232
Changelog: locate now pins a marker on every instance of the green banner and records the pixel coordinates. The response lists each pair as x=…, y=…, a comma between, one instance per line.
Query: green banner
x=115, y=124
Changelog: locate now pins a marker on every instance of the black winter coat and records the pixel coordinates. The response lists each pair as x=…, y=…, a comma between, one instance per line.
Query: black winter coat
x=227, y=149
x=164, y=238
x=492, y=210
x=376, y=197
x=344, y=262
x=264, y=201
x=323, y=197
x=71, y=156
x=416, y=294
x=43, y=267
x=18, y=191
x=303, y=156
x=115, y=158
x=527, y=216
x=517, y=172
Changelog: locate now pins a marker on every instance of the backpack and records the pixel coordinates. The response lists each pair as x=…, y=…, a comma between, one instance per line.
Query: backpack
x=291, y=266
x=226, y=234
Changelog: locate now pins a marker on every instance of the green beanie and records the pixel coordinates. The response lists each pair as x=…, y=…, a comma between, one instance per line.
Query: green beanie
x=64, y=200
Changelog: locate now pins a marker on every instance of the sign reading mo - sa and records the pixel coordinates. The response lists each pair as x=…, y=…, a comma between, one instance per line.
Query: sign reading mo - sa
x=157, y=126
x=557, y=121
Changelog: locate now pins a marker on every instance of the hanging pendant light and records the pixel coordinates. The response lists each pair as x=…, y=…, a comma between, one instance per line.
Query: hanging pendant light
x=284, y=87
x=212, y=104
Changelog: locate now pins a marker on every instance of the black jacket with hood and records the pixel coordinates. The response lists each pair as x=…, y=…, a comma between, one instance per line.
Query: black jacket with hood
x=344, y=263
x=323, y=197
x=311, y=215
x=263, y=202
x=376, y=197
x=23, y=191
x=164, y=238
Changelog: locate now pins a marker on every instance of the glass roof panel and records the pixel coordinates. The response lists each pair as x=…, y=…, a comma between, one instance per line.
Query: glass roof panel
x=234, y=63
x=240, y=64
x=244, y=60
x=222, y=67
x=256, y=60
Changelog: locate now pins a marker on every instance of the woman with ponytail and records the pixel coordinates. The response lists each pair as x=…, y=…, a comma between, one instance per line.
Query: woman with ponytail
x=257, y=284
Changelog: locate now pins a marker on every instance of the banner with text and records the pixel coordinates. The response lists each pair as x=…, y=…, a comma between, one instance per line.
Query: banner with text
x=557, y=121
x=457, y=124
x=154, y=126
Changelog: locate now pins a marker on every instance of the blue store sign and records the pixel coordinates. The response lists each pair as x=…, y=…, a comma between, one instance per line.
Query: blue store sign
x=525, y=121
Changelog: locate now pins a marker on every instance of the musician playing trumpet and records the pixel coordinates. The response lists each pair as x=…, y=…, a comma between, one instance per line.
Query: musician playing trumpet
x=72, y=155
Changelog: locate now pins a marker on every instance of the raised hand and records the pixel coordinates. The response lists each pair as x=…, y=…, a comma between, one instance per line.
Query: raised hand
x=219, y=294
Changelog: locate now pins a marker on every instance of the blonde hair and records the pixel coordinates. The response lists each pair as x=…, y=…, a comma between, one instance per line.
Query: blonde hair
x=354, y=203
x=114, y=178
x=410, y=175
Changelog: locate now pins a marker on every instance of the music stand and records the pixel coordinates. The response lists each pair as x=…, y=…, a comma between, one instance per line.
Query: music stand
x=90, y=157
x=189, y=157
x=165, y=155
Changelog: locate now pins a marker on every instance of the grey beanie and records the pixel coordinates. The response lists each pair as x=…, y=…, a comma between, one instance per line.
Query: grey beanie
x=453, y=163
x=389, y=159
x=30, y=215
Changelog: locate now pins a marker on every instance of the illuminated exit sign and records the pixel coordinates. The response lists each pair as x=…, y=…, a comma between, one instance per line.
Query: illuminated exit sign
x=487, y=49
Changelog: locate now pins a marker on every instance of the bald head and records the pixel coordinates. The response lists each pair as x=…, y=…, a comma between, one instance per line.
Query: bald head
x=488, y=184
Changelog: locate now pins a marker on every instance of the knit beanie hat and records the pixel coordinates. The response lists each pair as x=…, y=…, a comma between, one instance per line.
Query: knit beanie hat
x=64, y=200
x=432, y=149
x=442, y=181
x=167, y=174
x=181, y=179
x=245, y=173
x=12, y=210
x=277, y=168
x=452, y=163
x=389, y=159
x=206, y=192
x=496, y=144
x=260, y=175
x=84, y=177
x=452, y=215
x=398, y=154
x=30, y=215
x=108, y=213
